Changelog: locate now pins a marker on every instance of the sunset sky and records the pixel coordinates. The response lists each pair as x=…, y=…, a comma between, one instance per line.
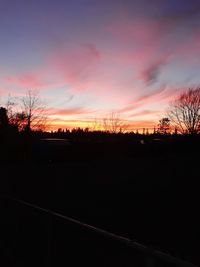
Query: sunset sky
x=88, y=58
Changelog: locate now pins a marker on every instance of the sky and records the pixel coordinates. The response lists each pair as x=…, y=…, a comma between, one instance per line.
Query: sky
x=88, y=58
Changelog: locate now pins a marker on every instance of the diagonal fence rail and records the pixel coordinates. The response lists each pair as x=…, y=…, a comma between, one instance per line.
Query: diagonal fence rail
x=151, y=256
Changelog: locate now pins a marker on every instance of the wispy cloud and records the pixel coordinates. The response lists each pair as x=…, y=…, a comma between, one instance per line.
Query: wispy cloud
x=75, y=64
x=151, y=73
x=68, y=111
x=145, y=113
x=145, y=99
x=28, y=80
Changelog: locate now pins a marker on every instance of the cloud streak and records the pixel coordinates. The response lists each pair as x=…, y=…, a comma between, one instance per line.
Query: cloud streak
x=75, y=65
x=145, y=113
x=151, y=74
x=68, y=111
x=25, y=80
x=145, y=99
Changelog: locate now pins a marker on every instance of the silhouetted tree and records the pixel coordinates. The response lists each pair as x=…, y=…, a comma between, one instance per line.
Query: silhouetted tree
x=96, y=125
x=33, y=112
x=18, y=120
x=184, y=111
x=114, y=124
x=15, y=118
x=27, y=113
x=10, y=107
x=164, y=126
x=3, y=118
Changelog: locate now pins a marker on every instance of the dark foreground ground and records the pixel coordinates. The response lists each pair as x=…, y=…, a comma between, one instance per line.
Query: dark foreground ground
x=148, y=193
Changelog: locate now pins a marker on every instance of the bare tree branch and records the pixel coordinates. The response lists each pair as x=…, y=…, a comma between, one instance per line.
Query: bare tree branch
x=184, y=111
x=114, y=124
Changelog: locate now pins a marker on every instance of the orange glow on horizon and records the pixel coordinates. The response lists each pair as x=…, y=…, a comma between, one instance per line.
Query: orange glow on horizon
x=93, y=126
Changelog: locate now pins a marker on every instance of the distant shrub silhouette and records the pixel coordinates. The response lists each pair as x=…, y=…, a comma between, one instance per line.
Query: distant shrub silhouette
x=164, y=126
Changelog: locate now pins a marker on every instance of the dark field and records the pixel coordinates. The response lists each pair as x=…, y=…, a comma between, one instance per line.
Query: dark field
x=147, y=193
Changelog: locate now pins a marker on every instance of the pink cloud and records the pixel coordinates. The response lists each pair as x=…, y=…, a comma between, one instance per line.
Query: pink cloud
x=144, y=38
x=139, y=29
x=152, y=44
x=162, y=95
x=69, y=111
x=151, y=73
x=145, y=113
x=145, y=99
x=151, y=96
x=29, y=80
x=74, y=65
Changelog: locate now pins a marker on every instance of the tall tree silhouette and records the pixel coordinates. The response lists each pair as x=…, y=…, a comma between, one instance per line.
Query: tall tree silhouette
x=184, y=111
x=33, y=111
x=114, y=123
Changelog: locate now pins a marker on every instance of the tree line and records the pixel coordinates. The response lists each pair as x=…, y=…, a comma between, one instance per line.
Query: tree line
x=29, y=114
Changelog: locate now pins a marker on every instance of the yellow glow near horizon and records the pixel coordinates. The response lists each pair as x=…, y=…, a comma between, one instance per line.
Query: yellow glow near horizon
x=93, y=126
